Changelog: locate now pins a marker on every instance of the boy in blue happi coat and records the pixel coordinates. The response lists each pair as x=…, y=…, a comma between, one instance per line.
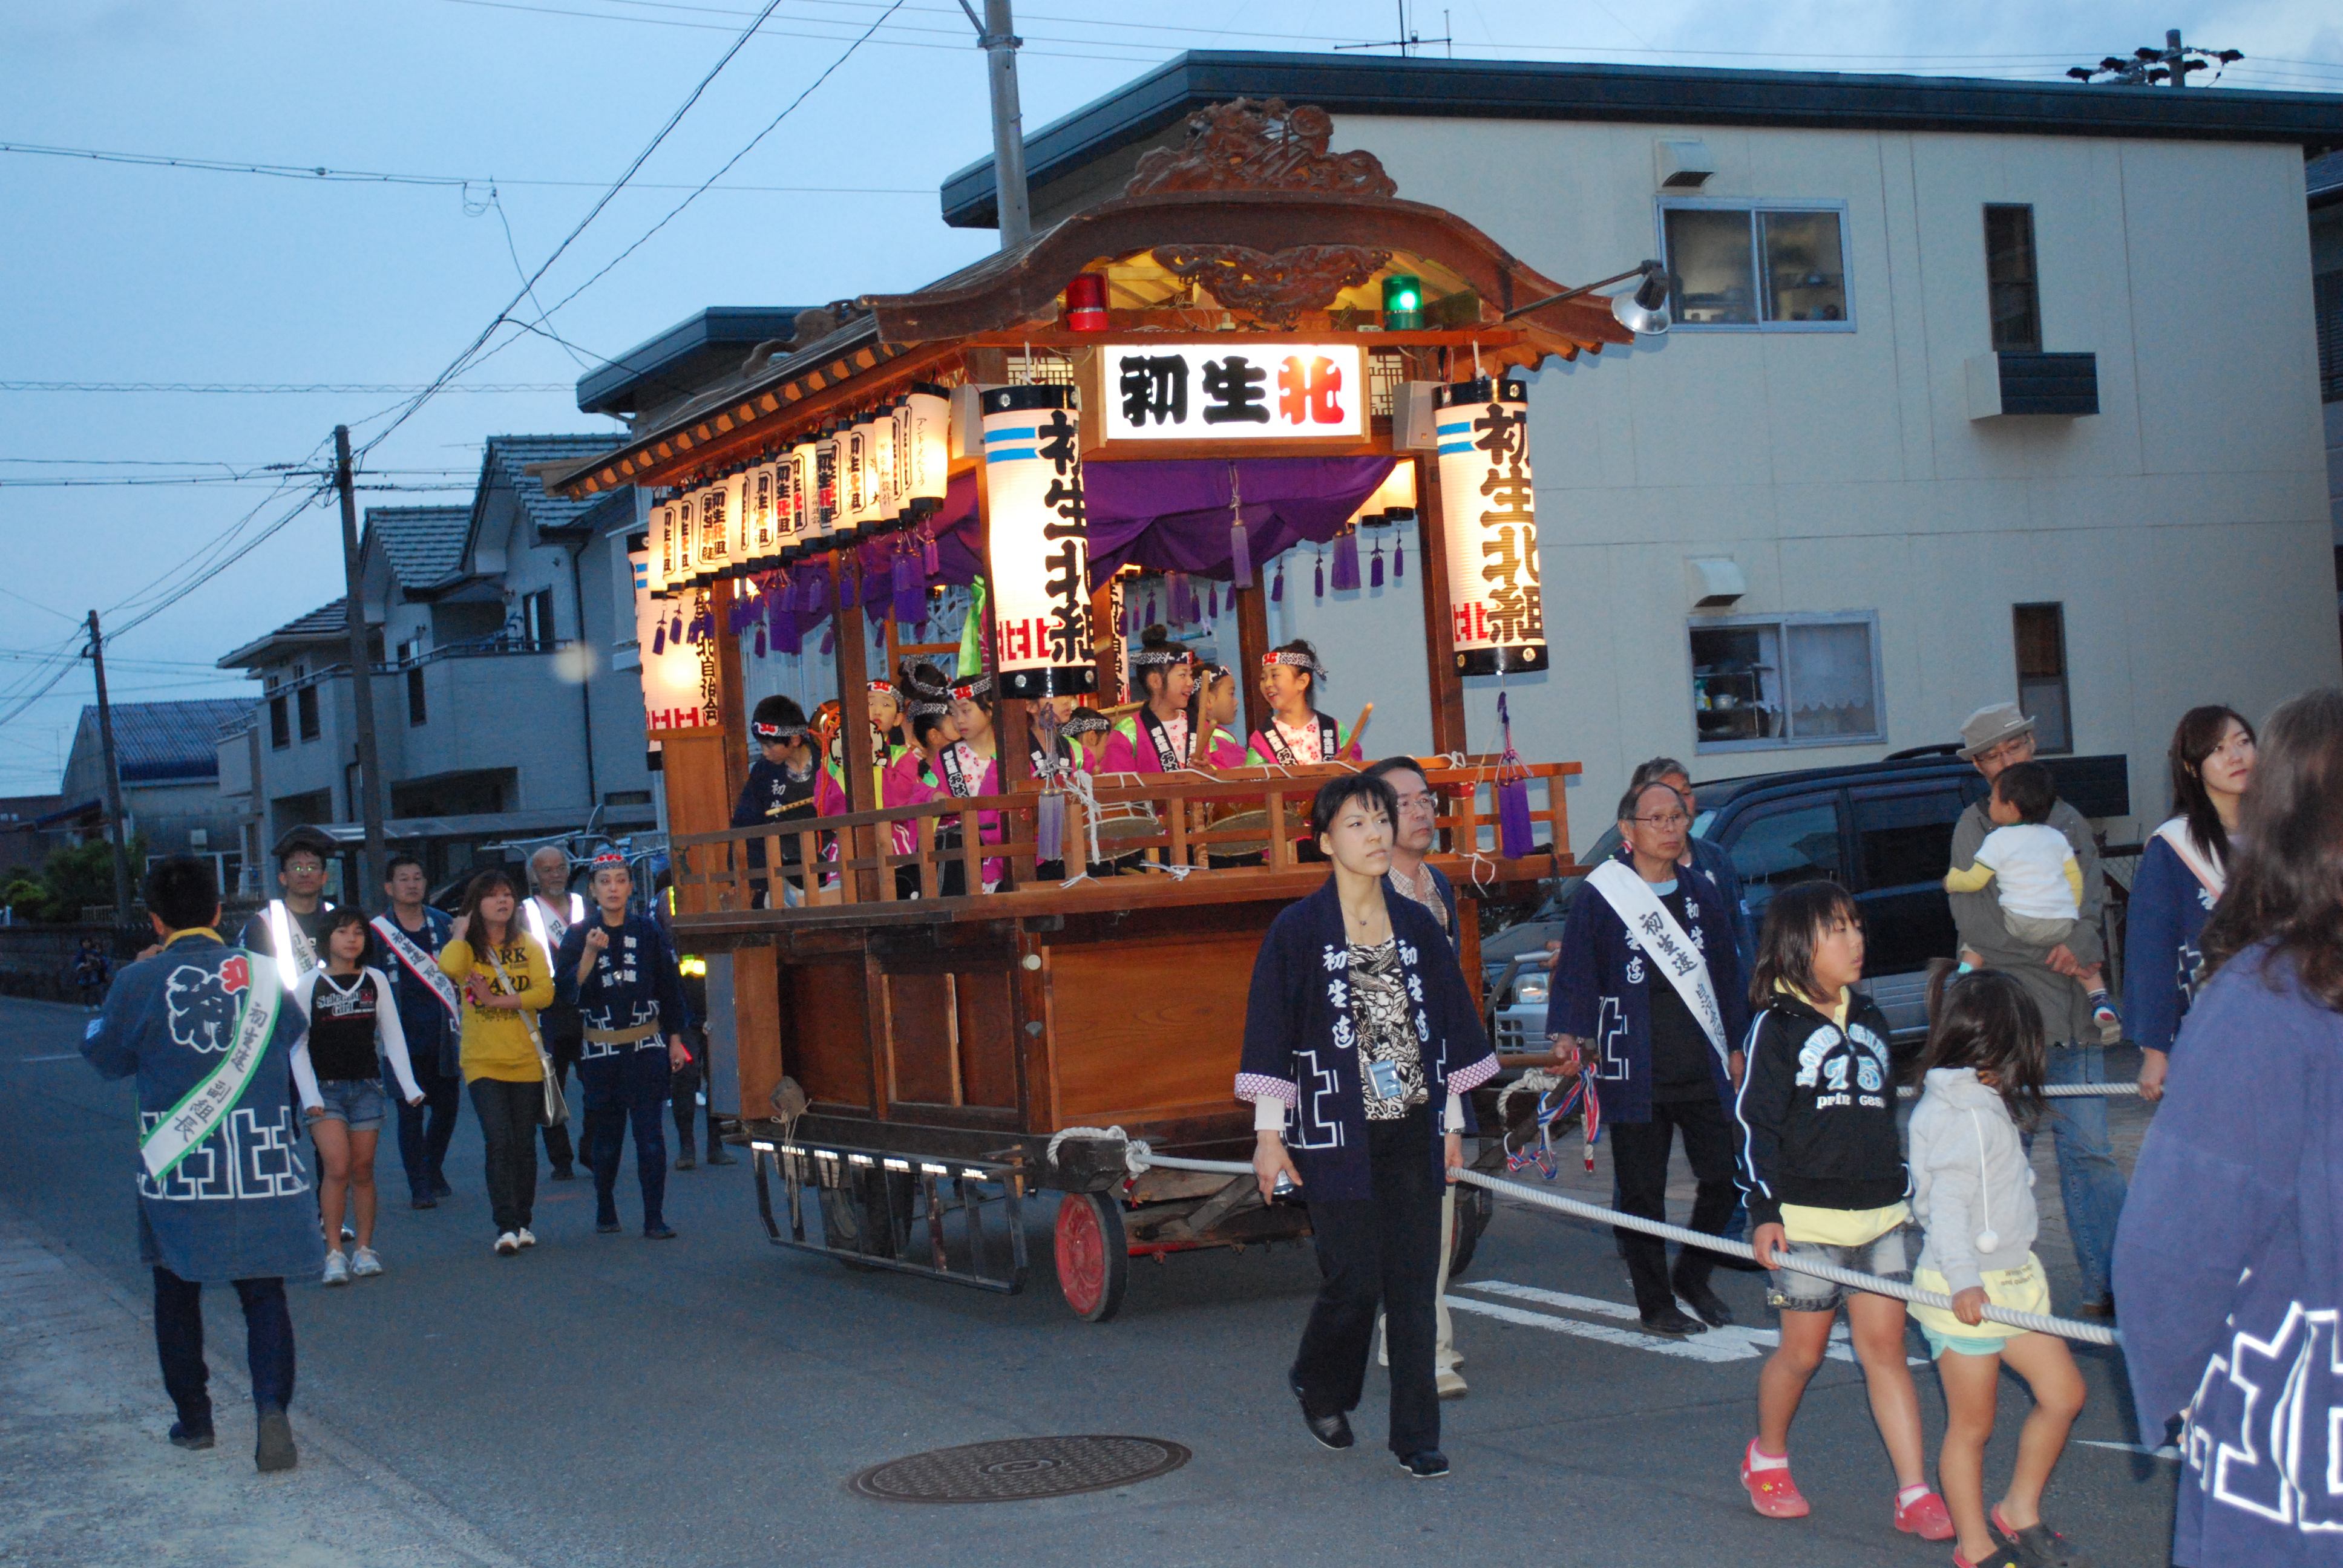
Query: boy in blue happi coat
x=620, y=972
x=213, y=1040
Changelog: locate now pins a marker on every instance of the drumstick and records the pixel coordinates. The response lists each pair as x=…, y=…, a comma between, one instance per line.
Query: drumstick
x=1365, y=713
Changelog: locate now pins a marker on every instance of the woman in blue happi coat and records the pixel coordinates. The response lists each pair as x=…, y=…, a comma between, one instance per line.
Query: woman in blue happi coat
x=1360, y=1031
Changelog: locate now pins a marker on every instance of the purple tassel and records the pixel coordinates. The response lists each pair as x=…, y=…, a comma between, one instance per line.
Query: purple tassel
x=760, y=639
x=1212, y=602
x=911, y=592
x=1176, y=598
x=930, y=561
x=815, y=604
x=1050, y=825
x=1240, y=554
x=1514, y=827
x=675, y=625
x=659, y=640
x=1150, y=618
x=1346, y=563
x=1277, y=588
x=829, y=638
x=848, y=586
x=1375, y=567
x=789, y=637
x=1399, y=557
x=1130, y=618
x=1322, y=574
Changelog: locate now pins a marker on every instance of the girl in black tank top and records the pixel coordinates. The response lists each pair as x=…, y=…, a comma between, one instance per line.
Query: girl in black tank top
x=353, y=1018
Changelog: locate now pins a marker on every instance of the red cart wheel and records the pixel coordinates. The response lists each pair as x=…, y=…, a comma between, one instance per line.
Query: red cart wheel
x=1093, y=1258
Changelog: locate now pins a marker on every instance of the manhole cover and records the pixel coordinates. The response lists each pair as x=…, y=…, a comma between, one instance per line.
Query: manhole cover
x=1020, y=1468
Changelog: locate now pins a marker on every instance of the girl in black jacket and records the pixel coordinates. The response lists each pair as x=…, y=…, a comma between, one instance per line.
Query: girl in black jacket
x=1825, y=1180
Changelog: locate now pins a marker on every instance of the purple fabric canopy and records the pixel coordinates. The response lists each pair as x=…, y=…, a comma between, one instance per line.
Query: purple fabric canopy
x=1176, y=515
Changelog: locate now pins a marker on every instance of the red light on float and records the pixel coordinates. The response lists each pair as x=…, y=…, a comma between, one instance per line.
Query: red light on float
x=1086, y=302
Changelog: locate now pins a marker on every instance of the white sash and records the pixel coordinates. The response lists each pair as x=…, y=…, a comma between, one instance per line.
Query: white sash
x=550, y=935
x=2181, y=842
x=1651, y=927
x=419, y=964
x=1167, y=755
x=297, y=955
x=203, y=1108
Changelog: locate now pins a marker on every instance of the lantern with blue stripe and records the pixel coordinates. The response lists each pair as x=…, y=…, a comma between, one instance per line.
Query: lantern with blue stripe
x=1488, y=513
x=1033, y=504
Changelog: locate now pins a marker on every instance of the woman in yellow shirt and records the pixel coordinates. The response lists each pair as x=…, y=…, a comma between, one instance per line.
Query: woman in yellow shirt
x=506, y=977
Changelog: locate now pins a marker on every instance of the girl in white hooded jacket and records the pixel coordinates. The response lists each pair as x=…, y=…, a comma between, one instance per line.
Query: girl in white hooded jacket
x=1973, y=1191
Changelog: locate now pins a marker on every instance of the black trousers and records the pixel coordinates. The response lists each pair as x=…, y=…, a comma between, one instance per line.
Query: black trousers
x=683, y=1099
x=426, y=1130
x=563, y=1049
x=179, y=1341
x=1381, y=1251
x=1639, y=1157
x=509, y=1114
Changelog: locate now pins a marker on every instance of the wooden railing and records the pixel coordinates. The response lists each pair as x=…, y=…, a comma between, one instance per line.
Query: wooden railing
x=1224, y=825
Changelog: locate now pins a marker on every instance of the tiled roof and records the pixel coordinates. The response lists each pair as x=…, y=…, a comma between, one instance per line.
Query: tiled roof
x=509, y=456
x=424, y=544
x=160, y=743
x=323, y=624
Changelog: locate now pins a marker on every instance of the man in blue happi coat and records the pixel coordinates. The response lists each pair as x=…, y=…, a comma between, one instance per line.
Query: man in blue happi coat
x=620, y=972
x=210, y=1034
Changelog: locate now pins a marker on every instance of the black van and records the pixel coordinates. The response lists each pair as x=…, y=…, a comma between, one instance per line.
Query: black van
x=1883, y=830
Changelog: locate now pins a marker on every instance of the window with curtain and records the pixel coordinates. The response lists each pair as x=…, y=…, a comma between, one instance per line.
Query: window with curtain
x=1754, y=265
x=1790, y=680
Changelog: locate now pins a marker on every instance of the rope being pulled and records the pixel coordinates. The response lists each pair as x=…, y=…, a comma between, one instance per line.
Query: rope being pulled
x=1137, y=1158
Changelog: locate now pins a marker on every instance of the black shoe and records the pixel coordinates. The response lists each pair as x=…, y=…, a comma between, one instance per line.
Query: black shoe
x=439, y=1188
x=1708, y=1303
x=183, y=1436
x=1738, y=1265
x=275, y=1449
x=715, y=1156
x=2101, y=1311
x=1331, y=1430
x=1430, y=1465
x=564, y=1173
x=421, y=1198
x=684, y=1162
x=1669, y=1322
x=661, y=1232
x=2036, y=1547
x=606, y=1225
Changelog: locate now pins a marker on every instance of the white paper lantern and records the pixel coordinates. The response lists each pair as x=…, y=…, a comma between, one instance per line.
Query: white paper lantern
x=796, y=465
x=764, y=528
x=715, y=534
x=1041, y=589
x=661, y=564
x=922, y=449
x=884, y=481
x=827, y=492
x=1488, y=513
x=741, y=490
x=686, y=541
x=1394, y=500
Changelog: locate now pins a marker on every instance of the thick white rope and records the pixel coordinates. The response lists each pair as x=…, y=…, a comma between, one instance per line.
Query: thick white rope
x=1137, y=1157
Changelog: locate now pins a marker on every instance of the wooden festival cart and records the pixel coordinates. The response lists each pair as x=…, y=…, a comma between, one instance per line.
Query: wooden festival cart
x=908, y=1054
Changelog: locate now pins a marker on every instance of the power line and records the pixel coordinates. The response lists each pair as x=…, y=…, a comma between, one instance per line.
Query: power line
x=320, y=173
x=818, y=37
x=240, y=387
x=456, y=366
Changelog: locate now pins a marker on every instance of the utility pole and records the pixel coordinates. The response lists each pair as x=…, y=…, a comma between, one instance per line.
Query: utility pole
x=113, y=778
x=370, y=802
x=996, y=34
x=2149, y=67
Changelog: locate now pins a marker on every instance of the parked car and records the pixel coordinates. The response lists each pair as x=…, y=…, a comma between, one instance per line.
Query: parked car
x=1883, y=830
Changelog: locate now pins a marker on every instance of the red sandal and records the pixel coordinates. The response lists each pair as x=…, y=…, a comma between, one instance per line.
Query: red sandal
x=1772, y=1493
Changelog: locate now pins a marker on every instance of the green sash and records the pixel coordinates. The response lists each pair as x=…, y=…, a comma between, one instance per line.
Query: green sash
x=201, y=1111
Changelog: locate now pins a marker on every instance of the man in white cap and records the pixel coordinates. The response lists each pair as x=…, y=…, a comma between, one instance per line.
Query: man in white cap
x=2091, y=1184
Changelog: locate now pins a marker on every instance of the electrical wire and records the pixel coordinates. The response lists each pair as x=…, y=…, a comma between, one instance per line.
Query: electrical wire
x=456, y=366
x=257, y=388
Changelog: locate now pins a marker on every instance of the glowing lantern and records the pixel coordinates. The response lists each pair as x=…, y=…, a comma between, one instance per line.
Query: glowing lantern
x=1394, y=500
x=885, y=483
x=764, y=531
x=662, y=549
x=715, y=535
x=828, y=528
x=923, y=451
x=687, y=563
x=1403, y=302
x=796, y=466
x=1033, y=492
x=1487, y=510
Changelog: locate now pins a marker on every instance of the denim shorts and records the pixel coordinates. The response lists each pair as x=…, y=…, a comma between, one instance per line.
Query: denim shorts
x=1889, y=1257
x=356, y=1101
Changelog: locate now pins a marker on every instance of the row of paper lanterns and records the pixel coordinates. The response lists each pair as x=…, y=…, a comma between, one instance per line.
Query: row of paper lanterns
x=870, y=474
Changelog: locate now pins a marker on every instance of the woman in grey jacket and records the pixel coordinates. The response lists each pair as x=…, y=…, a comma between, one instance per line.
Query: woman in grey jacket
x=1973, y=1191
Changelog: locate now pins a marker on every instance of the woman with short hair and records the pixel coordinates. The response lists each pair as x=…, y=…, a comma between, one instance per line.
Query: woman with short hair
x=1356, y=993
x=2181, y=875
x=2229, y=1258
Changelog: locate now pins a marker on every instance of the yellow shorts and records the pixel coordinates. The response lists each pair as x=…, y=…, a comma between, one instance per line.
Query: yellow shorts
x=2024, y=1289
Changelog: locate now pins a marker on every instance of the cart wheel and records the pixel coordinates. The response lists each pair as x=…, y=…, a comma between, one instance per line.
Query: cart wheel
x=1475, y=1206
x=1093, y=1258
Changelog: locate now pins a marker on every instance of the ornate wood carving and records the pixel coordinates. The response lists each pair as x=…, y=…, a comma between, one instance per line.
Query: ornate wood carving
x=1274, y=286
x=1250, y=145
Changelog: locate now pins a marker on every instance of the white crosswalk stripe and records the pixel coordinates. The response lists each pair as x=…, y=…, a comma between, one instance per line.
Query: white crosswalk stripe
x=1731, y=1344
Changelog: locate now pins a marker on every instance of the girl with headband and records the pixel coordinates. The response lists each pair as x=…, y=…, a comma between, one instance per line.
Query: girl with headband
x=1296, y=731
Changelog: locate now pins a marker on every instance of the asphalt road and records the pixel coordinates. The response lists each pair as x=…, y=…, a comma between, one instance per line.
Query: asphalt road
x=610, y=1400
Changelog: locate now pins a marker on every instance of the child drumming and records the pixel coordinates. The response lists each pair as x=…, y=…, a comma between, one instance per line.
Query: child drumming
x=354, y=1028
x=1974, y=1192
x=1825, y=1181
x=2036, y=878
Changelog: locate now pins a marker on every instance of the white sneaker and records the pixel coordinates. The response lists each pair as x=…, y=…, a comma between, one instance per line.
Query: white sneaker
x=364, y=1264
x=507, y=1244
x=337, y=1267
x=525, y=1236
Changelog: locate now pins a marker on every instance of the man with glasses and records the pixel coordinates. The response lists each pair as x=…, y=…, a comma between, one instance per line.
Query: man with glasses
x=2091, y=1184
x=1649, y=987
x=1412, y=839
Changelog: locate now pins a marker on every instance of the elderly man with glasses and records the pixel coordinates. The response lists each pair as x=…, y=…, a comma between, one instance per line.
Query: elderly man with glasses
x=1649, y=992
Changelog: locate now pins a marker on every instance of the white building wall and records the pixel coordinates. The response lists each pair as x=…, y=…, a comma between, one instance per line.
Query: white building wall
x=2184, y=528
